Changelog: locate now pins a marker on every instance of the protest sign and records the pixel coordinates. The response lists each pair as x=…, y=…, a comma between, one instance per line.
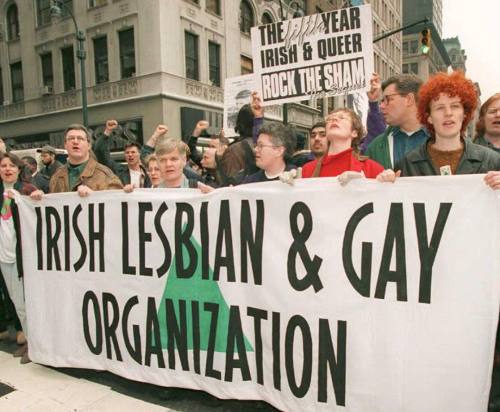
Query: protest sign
x=314, y=297
x=237, y=93
x=314, y=56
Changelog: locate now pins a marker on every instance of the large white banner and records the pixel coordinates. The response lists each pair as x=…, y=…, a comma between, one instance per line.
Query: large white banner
x=315, y=56
x=316, y=297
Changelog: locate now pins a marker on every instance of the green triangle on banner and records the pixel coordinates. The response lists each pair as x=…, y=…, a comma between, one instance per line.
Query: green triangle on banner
x=199, y=290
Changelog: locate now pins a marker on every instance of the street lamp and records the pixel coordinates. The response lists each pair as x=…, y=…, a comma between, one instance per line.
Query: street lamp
x=56, y=11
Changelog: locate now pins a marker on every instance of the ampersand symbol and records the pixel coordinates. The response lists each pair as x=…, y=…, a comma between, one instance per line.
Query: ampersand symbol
x=298, y=246
x=307, y=51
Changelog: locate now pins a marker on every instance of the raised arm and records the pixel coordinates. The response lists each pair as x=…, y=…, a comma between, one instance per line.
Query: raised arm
x=102, y=150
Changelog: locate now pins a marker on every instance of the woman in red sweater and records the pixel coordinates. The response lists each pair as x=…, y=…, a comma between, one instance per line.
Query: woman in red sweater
x=344, y=131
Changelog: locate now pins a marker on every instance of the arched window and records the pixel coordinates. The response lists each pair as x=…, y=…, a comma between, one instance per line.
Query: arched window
x=267, y=18
x=12, y=22
x=246, y=17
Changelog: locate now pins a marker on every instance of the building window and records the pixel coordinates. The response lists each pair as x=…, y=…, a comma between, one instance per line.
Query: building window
x=43, y=10
x=127, y=53
x=320, y=104
x=414, y=46
x=214, y=63
x=191, y=44
x=266, y=18
x=246, y=17
x=246, y=65
x=414, y=68
x=330, y=104
x=101, y=59
x=68, y=65
x=214, y=6
x=97, y=3
x=47, y=71
x=16, y=73
x=12, y=22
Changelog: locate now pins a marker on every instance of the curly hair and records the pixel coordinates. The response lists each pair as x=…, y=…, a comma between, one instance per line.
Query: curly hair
x=454, y=85
x=480, y=127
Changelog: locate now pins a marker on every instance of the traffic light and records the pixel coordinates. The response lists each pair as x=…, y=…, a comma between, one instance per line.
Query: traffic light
x=425, y=41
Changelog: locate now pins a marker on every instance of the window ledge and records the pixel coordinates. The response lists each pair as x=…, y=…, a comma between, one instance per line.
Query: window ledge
x=214, y=14
x=43, y=26
x=99, y=6
x=194, y=3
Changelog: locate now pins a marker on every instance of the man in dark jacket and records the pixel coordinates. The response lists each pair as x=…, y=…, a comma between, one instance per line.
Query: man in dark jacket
x=273, y=152
x=50, y=164
x=39, y=180
x=133, y=173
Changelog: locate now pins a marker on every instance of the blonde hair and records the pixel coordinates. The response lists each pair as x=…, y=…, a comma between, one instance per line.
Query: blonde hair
x=151, y=158
x=170, y=144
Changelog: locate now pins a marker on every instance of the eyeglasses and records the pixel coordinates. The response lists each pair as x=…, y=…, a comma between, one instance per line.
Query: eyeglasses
x=386, y=99
x=260, y=146
x=493, y=111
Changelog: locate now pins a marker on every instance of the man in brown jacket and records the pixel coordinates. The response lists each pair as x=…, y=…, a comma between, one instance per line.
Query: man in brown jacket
x=82, y=173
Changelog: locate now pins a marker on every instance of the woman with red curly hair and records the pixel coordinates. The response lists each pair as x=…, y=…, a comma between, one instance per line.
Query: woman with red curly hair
x=446, y=106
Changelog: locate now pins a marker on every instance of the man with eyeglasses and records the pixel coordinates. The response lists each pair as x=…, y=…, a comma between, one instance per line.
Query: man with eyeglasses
x=273, y=152
x=81, y=173
x=405, y=132
x=488, y=124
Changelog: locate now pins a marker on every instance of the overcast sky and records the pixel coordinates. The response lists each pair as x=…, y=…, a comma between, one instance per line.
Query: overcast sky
x=477, y=25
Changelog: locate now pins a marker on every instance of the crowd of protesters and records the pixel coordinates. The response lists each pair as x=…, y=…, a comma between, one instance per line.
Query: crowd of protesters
x=413, y=129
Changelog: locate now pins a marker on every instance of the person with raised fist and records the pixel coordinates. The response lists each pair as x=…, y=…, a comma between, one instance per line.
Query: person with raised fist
x=133, y=173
